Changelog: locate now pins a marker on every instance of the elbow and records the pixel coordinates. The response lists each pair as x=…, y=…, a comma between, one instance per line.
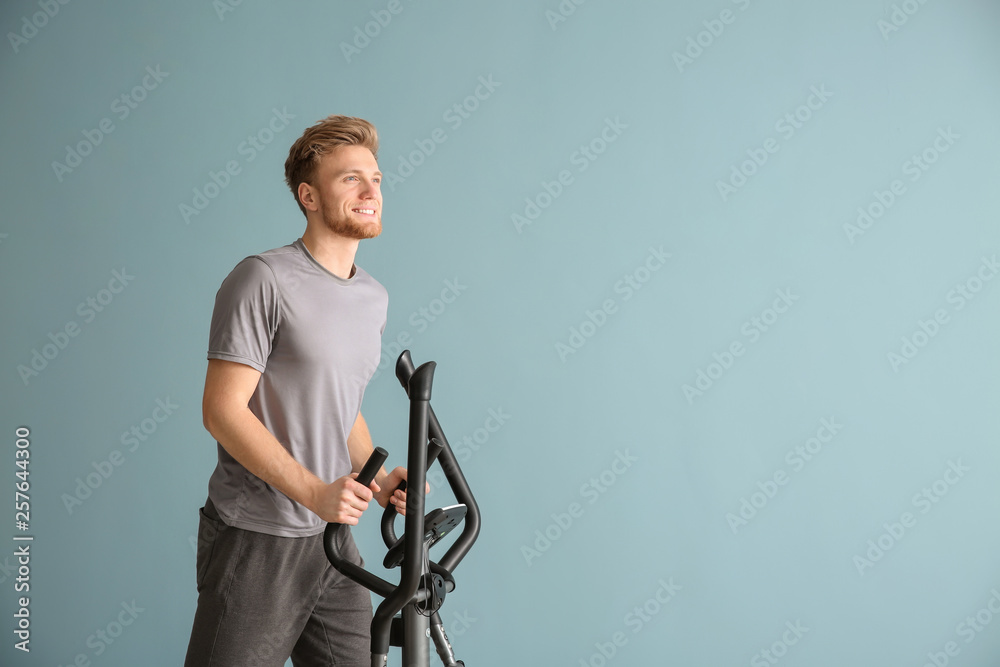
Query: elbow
x=221, y=416
x=209, y=417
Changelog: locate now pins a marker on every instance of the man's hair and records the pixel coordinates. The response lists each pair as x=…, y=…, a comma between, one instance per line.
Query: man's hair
x=319, y=140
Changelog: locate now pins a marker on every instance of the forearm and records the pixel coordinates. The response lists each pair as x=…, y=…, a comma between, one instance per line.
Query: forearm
x=360, y=447
x=247, y=440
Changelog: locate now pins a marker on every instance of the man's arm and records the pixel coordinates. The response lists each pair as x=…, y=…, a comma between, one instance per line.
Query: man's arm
x=359, y=444
x=226, y=415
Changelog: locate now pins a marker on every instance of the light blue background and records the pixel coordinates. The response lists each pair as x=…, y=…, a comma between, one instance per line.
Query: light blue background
x=665, y=516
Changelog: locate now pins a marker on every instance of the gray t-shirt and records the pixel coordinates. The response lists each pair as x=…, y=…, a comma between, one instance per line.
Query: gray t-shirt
x=316, y=339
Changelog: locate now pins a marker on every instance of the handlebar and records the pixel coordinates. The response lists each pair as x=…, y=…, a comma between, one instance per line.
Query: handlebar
x=390, y=513
x=452, y=471
x=426, y=442
x=332, y=535
x=372, y=466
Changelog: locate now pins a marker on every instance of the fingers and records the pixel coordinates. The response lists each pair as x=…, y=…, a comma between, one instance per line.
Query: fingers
x=398, y=500
x=398, y=497
x=349, y=499
x=351, y=508
x=373, y=487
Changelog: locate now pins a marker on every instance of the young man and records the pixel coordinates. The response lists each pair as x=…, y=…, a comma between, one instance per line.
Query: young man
x=295, y=338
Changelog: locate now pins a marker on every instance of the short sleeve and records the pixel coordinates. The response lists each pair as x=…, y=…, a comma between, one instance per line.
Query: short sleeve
x=246, y=314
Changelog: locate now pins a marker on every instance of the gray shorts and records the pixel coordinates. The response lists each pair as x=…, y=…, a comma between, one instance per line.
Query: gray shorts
x=263, y=599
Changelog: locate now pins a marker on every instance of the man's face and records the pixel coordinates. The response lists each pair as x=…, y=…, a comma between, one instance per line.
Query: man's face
x=347, y=187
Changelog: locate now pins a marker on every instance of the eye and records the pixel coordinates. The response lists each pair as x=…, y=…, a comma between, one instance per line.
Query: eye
x=377, y=179
x=350, y=177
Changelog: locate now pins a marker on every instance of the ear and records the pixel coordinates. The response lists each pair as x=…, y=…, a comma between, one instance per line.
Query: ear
x=307, y=195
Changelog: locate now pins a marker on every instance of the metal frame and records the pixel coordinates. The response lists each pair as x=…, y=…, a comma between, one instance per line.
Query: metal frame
x=426, y=442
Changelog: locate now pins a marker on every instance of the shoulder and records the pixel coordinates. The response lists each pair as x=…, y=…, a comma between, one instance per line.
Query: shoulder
x=251, y=270
x=279, y=258
x=253, y=277
x=365, y=279
x=283, y=253
x=265, y=266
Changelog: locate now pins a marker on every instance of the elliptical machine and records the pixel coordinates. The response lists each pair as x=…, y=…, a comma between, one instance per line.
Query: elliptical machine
x=423, y=583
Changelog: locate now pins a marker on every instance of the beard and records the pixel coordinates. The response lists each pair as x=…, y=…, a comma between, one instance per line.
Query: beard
x=348, y=227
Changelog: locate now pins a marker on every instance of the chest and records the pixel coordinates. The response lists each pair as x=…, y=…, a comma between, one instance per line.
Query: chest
x=330, y=328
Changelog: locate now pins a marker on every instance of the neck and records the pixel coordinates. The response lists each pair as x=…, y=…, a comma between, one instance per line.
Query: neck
x=334, y=252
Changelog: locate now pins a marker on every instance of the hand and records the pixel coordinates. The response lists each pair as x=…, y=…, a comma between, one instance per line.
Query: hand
x=344, y=500
x=392, y=494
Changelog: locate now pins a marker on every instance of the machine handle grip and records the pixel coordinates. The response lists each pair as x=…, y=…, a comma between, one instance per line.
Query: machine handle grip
x=372, y=466
x=404, y=369
x=434, y=447
x=331, y=535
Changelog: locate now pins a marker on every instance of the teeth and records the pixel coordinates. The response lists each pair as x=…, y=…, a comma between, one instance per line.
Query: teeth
x=369, y=211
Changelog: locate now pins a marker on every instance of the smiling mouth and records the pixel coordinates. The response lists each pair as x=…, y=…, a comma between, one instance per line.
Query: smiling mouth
x=365, y=211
